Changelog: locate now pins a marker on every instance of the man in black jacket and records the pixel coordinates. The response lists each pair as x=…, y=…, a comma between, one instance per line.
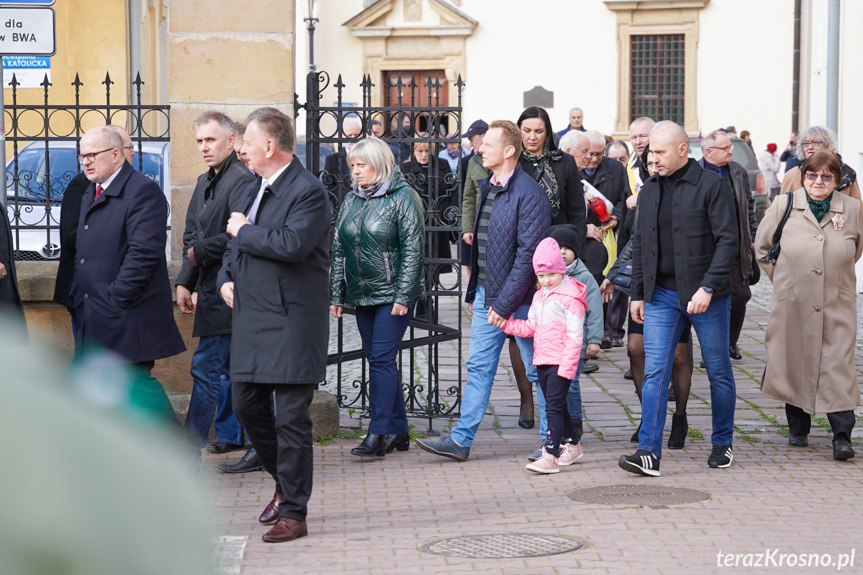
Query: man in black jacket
x=337, y=174
x=204, y=243
x=684, y=247
x=718, y=149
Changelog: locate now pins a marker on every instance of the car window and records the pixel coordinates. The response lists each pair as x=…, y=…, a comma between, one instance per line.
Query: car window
x=742, y=154
x=32, y=183
x=324, y=151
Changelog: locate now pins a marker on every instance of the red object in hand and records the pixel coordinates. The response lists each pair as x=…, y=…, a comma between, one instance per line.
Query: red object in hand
x=597, y=206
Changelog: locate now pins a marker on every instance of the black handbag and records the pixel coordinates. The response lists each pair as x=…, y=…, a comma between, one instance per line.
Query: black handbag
x=773, y=250
x=623, y=280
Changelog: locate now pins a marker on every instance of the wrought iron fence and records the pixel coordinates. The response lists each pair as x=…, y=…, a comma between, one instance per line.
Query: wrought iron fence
x=44, y=157
x=414, y=117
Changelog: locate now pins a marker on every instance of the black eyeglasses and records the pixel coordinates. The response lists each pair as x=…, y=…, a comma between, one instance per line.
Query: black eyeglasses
x=90, y=157
x=812, y=176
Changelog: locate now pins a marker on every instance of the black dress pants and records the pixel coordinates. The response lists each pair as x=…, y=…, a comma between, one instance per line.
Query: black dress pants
x=800, y=422
x=739, y=299
x=283, y=441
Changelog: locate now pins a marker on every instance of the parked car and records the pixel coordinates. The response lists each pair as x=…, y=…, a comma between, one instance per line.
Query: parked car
x=36, y=197
x=744, y=156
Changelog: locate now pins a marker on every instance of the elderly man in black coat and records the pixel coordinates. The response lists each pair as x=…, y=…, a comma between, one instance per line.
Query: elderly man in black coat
x=120, y=290
x=275, y=277
x=204, y=244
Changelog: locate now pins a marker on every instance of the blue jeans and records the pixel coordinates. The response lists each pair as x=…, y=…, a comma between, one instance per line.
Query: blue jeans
x=382, y=333
x=211, y=372
x=664, y=321
x=573, y=400
x=486, y=342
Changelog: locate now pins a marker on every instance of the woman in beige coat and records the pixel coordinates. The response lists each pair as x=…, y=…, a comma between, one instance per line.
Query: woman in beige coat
x=812, y=330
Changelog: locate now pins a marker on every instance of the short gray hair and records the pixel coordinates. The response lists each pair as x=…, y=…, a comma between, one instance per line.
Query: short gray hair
x=571, y=140
x=377, y=154
x=709, y=140
x=818, y=133
x=596, y=138
x=352, y=120
x=214, y=116
x=113, y=137
x=277, y=125
x=642, y=120
x=571, y=110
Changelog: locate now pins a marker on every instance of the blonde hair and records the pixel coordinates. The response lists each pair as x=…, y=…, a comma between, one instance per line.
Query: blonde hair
x=377, y=154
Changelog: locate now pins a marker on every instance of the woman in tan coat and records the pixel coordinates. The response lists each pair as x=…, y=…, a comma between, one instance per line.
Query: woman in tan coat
x=812, y=139
x=812, y=330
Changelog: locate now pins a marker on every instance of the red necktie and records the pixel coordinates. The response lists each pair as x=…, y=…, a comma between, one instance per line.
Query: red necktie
x=98, y=192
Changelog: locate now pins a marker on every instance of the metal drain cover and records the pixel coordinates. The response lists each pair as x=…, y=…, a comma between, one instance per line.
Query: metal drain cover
x=503, y=546
x=645, y=495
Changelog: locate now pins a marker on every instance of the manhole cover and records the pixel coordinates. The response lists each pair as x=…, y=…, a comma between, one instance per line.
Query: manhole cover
x=503, y=546
x=645, y=495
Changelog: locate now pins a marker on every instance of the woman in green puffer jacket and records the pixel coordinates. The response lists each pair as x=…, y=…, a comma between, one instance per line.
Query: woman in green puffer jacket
x=376, y=266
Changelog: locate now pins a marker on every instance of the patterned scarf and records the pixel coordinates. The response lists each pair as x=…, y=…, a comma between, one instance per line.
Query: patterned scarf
x=819, y=207
x=544, y=175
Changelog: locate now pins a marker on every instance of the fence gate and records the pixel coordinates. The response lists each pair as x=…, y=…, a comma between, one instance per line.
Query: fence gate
x=44, y=157
x=430, y=355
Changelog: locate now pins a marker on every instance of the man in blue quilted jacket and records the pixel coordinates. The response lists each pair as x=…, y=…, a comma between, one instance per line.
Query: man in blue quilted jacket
x=512, y=216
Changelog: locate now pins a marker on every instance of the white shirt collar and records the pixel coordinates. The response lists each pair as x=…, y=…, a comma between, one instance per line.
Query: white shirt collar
x=274, y=177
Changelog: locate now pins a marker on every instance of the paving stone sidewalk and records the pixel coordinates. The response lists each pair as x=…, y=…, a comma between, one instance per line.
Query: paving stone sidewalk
x=374, y=516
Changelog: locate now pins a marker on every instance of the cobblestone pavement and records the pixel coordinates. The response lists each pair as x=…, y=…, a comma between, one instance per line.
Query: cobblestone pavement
x=373, y=517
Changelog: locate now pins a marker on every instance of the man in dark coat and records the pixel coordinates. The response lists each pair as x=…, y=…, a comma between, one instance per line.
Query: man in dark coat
x=684, y=245
x=121, y=292
x=337, y=175
x=718, y=149
x=513, y=216
x=609, y=177
x=70, y=213
x=204, y=244
x=275, y=277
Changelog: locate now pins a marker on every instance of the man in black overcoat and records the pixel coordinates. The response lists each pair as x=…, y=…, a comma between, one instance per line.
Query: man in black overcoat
x=275, y=277
x=120, y=290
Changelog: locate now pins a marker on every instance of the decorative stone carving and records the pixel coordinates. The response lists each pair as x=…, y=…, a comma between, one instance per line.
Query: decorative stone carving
x=413, y=10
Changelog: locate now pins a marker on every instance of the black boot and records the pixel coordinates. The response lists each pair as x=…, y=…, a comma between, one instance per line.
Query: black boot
x=579, y=429
x=373, y=445
x=679, y=427
x=400, y=441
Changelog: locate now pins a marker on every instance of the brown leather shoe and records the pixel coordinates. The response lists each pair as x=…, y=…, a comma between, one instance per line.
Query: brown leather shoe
x=286, y=529
x=271, y=511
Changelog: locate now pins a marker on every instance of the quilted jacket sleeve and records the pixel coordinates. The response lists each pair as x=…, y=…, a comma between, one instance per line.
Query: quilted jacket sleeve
x=337, y=260
x=533, y=220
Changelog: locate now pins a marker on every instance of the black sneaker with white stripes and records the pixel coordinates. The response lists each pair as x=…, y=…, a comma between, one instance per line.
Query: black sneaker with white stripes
x=721, y=457
x=641, y=462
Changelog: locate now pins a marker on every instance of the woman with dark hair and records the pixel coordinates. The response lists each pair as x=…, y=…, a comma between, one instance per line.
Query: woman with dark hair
x=812, y=328
x=557, y=176
x=554, y=171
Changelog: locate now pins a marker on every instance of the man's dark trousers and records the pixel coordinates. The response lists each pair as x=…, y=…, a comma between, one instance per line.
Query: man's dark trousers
x=284, y=444
x=739, y=299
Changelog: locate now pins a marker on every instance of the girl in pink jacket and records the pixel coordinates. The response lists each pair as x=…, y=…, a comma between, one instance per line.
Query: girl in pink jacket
x=556, y=323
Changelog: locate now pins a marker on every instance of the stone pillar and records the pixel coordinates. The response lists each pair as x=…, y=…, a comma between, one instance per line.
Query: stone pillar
x=229, y=55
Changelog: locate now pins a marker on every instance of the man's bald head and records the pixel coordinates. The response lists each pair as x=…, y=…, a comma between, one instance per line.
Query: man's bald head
x=670, y=145
x=128, y=149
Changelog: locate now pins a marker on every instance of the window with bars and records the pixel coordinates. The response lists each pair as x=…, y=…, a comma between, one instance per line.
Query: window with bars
x=657, y=77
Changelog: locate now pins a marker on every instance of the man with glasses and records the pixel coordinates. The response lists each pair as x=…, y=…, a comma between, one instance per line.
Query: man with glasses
x=609, y=178
x=70, y=213
x=120, y=291
x=717, y=151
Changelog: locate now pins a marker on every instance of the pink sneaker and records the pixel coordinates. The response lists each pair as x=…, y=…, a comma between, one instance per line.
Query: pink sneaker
x=547, y=463
x=570, y=453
